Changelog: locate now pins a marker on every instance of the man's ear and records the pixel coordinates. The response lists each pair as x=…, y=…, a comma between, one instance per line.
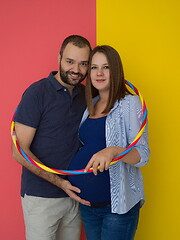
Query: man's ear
x=59, y=58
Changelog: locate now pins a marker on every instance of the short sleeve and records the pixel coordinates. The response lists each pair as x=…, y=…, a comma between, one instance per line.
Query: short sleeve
x=28, y=111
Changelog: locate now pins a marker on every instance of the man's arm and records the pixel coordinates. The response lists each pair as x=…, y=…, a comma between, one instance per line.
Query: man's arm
x=25, y=135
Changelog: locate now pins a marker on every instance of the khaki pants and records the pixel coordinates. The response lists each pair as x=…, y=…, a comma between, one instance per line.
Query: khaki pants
x=51, y=218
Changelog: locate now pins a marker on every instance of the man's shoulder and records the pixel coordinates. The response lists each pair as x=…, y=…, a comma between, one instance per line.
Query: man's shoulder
x=81, y=87
x=38, y=84
x=37, y=87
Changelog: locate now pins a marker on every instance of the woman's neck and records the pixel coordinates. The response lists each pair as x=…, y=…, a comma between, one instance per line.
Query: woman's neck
x=101, y=105
x=104, y=96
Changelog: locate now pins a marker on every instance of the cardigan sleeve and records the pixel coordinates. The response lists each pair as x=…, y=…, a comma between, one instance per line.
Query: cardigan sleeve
x=135, y=121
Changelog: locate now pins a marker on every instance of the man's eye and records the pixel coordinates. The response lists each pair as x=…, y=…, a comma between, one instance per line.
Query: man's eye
x=69, y=61
x=84, y=64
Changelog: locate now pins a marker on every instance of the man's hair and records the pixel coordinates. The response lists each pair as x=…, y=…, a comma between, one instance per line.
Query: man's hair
x=117, y=89
x=77, y=41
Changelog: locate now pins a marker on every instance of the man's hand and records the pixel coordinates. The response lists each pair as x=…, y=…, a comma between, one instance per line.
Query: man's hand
x=71, y=192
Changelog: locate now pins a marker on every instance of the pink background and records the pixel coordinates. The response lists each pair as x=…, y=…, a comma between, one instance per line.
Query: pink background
x=31, y=35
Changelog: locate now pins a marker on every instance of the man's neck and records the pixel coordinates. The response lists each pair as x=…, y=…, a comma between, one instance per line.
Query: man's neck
x=69, y=87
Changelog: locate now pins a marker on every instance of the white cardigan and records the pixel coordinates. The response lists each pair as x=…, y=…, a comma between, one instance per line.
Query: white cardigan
x=122, y=125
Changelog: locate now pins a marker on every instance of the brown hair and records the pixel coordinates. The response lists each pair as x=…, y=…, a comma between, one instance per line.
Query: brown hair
x=118, y=88
x=77, y=41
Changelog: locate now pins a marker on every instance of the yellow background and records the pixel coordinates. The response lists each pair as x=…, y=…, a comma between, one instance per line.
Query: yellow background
x=146, y=34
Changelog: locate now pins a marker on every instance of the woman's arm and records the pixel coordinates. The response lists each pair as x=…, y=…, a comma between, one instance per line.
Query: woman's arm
x=139, y=155
x=104, y=157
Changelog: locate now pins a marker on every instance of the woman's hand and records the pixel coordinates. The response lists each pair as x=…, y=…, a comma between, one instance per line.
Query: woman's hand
x=101, y=160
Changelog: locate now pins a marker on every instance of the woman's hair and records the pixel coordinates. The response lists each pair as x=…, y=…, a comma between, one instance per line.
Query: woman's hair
x=117, y=89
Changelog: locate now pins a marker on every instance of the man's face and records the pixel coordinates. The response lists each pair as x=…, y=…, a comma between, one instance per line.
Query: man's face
x=74, y=64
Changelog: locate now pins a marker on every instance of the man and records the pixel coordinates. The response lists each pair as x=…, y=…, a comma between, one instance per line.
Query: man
x=46, y=124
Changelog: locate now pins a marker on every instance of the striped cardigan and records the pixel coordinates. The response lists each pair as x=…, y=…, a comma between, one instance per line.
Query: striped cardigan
x=122, y=125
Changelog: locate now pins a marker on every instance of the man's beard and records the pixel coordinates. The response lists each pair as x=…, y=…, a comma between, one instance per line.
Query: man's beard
x=66, y=77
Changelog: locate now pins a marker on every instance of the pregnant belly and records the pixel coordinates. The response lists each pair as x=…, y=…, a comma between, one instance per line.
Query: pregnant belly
x=93, y=188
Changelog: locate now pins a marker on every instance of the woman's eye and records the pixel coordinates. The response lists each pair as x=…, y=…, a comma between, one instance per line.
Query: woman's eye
x=106, y=67
x=93, y=67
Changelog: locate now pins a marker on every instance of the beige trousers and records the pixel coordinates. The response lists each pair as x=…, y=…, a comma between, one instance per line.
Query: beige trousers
x=51, y=218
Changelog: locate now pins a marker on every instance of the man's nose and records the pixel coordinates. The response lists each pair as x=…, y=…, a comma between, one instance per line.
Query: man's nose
x=75, y=68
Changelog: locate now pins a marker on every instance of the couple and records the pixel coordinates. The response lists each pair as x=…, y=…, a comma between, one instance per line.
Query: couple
x=47, y=128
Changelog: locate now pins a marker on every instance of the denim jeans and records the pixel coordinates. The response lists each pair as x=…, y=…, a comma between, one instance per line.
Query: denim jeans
x=101, y=224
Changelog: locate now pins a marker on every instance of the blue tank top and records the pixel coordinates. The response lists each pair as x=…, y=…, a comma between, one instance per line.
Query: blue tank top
x=93, y=188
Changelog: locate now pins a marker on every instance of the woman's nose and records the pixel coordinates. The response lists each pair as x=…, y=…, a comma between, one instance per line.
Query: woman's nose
x=100, y=72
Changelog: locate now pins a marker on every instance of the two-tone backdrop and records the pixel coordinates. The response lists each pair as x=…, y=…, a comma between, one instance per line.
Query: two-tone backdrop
x=146, y=34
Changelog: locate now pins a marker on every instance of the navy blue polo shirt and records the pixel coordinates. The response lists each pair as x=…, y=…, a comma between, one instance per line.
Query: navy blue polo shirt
x=47, y=106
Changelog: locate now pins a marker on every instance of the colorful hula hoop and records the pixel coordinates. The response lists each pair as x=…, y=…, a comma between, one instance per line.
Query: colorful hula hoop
x=76, y=172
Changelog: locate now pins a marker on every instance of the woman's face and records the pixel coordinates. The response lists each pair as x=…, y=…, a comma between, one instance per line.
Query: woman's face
x=100, y=74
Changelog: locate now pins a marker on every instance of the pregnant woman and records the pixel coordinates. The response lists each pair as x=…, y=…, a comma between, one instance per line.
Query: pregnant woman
x=110, y=123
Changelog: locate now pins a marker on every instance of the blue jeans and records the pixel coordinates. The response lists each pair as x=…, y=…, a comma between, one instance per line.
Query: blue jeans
x=101, y=224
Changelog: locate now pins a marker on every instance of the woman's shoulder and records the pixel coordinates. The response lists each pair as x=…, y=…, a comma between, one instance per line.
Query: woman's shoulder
x=130, y=101
x=95, y=99
x=131, y=98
